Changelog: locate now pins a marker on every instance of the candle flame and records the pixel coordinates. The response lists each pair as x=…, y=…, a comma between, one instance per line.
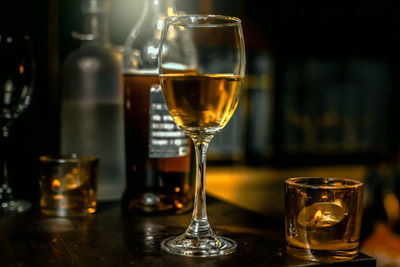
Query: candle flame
x=317, y=215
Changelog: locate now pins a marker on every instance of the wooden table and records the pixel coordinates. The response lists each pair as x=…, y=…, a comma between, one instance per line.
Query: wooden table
x=113, y=238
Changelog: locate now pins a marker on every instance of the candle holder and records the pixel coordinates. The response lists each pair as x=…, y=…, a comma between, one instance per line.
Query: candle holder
x=323, y=218
x=68, y=185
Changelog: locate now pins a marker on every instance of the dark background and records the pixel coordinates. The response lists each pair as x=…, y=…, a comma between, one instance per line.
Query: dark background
x=339, y=46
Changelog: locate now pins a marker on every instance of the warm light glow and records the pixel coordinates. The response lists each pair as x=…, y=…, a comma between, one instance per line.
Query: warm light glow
x=21, y=69
x=338, y=202
x=247, y=187
x=75, y=171
x=392, y=206
x=170, y=11
x=317, y=215
x=55, y=185
x=58, y=197
x=178, y=204
x=177, y=189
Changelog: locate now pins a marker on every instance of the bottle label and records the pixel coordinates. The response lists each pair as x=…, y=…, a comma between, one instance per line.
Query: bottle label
x=166, y=139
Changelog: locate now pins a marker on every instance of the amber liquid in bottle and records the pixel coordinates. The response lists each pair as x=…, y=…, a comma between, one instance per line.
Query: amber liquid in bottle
x=154, y=184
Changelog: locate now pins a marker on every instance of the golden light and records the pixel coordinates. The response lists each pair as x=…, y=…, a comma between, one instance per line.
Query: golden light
x=392, y=207
x=338, y=202
x=75, y=171
x=55, y=185
x=317, y=215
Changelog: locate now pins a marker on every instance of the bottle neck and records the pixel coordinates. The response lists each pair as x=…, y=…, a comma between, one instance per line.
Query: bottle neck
x=142, y=43
x=96, y=24
x=165, y=7
x=159, y=9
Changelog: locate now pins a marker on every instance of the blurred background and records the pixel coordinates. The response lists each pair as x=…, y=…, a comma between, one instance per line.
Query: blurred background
x=321, y=99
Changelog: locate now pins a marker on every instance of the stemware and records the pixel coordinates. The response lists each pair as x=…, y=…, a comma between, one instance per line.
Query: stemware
x=16, y=85
x=201, y=68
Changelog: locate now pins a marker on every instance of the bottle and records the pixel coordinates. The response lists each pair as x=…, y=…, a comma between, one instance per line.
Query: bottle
x=91, y=112
x=158, y=153
x=258, y=97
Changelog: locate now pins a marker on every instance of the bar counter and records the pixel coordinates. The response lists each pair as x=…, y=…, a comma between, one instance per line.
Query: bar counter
x=113, y=238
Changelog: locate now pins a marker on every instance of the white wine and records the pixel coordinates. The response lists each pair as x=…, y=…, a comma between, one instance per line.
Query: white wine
x=201, y=104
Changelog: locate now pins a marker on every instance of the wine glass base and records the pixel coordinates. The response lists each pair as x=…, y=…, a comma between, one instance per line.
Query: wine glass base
x=207, y=246
x=15, y=206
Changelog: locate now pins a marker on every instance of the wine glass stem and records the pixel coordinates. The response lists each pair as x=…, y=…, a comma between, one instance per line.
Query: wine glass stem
x=199, y=225
x=199, y=210
x=3, y=163
x=5, y=189
x=4, y=172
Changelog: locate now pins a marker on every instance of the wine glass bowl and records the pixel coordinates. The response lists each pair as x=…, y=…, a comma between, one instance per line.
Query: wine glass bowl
x=16, y=78
x=17, y=70
x=201, y=68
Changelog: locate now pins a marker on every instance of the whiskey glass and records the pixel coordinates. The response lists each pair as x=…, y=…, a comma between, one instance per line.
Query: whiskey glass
x=68, y=185
x=201, y=68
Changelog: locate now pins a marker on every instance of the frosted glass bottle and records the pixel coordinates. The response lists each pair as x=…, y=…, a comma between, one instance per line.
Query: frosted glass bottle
x=91, y=112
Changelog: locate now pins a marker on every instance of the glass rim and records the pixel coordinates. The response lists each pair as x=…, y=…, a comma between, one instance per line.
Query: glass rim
x=67, y=158
x=351, y=183
x=225, y=20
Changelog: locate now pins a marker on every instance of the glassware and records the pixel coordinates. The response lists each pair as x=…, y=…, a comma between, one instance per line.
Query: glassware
x=17, y=72
x=323, y=218
x=91, y=109
x=158, y=154
x=68, y=185
x=201, y=98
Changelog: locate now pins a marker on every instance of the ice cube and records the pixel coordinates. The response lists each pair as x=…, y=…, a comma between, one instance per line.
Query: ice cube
x=320, y=215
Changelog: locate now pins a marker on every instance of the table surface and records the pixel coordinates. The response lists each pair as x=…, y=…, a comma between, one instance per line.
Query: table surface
x=112, y=237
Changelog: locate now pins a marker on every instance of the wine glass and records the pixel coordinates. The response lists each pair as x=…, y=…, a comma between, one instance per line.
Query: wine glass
x=16, y=85
x=201, y=67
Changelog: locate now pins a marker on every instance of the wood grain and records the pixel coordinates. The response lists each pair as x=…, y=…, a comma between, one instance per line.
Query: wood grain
x=113, y=238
